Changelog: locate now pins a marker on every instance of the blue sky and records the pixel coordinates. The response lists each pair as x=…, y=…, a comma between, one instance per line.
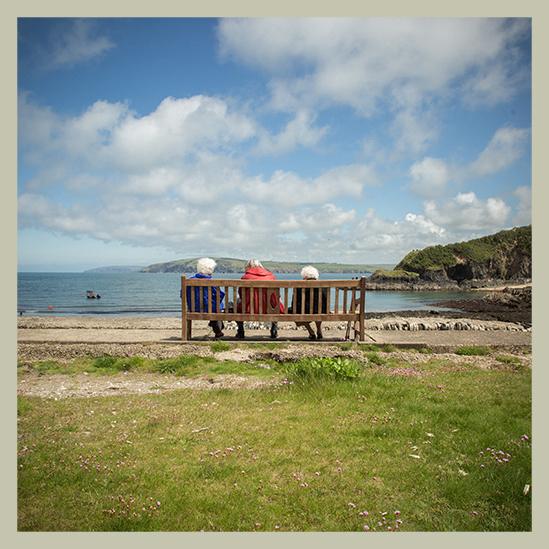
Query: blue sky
x=352, y=140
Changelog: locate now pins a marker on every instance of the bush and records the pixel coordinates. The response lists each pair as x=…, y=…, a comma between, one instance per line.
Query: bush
x=335, y=369
x=398, y=275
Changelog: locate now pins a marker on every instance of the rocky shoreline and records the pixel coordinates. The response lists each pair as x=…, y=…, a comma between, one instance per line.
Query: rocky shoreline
x=508, y=305
x=388, y=284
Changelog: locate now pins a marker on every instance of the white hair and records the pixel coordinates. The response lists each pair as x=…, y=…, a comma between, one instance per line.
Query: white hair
x=253, y=263
x=309, y=273
x=205, y=265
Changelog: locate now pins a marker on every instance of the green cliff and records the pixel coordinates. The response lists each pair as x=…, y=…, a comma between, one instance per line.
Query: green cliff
x=506, y=255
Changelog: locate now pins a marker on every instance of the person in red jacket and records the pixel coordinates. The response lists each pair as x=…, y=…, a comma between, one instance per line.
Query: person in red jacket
x=256, y=271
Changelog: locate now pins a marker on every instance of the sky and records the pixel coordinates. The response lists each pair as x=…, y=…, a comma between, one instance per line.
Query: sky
x=332, y=139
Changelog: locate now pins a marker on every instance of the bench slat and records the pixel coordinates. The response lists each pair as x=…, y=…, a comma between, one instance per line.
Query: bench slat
x=271, y=317
x=274, y=283
x=193, y=299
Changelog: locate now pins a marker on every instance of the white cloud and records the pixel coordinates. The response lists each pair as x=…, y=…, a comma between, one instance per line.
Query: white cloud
x=76, y=43
x=176, y=128
x=466, y=212
x=523, y=212
x=423, y=225
x=110, y=135
x=413, y=131
x=361, y=61
x=506, y=146
x=288, y=189
x=326, y=217
x=429, y=177
x=175, y=178
x=389, y=240
x=300, y=131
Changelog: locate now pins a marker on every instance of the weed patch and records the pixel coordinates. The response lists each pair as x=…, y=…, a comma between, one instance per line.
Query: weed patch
x=509, y=359
x=472, y=350
x=374, y=358
x=319, y=369
x=220, y=346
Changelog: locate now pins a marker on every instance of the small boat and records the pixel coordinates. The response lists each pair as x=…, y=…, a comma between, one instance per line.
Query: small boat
x=90, y=294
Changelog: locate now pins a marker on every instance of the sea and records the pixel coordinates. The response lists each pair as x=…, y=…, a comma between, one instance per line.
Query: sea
x=157, y=294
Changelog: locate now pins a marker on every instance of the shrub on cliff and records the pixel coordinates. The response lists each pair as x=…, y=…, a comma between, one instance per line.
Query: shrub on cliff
x=383, y=275
x=505, y=255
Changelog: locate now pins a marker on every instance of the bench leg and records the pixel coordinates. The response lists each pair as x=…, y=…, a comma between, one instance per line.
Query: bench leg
x=348, y=330
x=189, y=329
x=356, y=331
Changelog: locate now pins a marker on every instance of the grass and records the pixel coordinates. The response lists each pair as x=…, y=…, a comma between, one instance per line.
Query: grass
x=220, y=346
x=472, y=350
x=300, y=456
x=185, y=365
x=375, y=358
x=510, y=360
x=395, y=274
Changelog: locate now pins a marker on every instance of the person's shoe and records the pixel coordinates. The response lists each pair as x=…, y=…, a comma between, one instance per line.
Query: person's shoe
x=312, y=336
x=239, y=335
x=319, y=335
x=219, y=334
x=274, y=332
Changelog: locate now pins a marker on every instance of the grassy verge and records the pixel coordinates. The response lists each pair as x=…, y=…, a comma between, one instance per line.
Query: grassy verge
x=185, y=365
x=443, y=450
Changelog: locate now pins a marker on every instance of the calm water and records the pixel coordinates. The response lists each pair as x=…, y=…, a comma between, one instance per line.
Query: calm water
x=158, y=294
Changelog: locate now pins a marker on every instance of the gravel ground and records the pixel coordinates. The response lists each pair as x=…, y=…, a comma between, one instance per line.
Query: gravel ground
x=59, y=386
x=168, y=324
x=64, y=350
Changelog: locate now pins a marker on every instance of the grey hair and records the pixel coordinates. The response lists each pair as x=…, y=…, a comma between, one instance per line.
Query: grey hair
x=309, y=273
x=253, y=263
x=205, y=265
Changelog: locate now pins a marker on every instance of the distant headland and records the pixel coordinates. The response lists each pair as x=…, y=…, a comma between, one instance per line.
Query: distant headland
x=485, y=261
x=234, y=265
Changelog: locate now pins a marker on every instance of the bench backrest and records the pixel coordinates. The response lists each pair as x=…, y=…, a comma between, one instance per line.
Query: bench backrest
x=253, y=299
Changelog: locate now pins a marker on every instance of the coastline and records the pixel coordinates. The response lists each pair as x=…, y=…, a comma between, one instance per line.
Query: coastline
x=487, y=285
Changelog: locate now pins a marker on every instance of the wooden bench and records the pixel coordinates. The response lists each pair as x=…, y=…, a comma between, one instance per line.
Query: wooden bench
x=346, y=301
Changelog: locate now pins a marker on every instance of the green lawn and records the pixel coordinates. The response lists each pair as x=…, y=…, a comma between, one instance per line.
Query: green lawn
x=440, y=451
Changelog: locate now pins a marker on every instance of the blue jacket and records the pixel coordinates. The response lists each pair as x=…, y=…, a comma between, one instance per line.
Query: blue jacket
x=201, y=305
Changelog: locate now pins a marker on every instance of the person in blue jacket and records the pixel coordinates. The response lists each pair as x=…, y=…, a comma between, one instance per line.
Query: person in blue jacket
x=204, y=269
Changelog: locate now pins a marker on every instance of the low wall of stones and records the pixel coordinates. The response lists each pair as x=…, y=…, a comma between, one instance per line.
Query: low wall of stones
x=404, y=324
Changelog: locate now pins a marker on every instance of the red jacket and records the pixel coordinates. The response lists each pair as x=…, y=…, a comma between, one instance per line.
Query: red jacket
x=259, y=273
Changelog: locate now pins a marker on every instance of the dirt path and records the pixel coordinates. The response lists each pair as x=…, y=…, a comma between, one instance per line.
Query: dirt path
x=59, y=386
